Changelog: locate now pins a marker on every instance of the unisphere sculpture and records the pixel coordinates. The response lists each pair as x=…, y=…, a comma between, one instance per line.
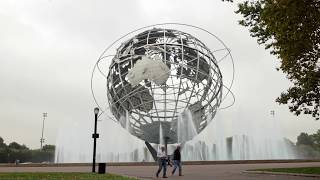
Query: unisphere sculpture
x=156, y=76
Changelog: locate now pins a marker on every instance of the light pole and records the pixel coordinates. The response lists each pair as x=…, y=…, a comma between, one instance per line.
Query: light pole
x=44, y=115
x=95, y=135
x=272, y=113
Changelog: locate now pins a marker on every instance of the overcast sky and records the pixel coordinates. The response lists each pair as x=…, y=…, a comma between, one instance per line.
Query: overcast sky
x=48, y=49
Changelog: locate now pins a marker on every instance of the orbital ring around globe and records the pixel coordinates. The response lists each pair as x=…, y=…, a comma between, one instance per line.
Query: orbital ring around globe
x=159, y=76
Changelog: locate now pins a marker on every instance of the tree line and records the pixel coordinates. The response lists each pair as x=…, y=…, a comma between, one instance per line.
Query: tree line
x=308, y=145
x=290, y=29
x=14, y=151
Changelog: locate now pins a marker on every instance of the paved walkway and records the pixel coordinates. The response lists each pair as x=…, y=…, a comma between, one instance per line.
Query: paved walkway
x=191, y=172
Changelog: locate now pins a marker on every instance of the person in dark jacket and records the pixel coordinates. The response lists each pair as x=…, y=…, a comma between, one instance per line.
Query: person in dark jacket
x=177, y=161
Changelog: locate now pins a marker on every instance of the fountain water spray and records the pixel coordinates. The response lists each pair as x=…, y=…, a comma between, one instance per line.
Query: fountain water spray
x=246, y=141
x=149, y=78
x=161, y=138
x=186, y=128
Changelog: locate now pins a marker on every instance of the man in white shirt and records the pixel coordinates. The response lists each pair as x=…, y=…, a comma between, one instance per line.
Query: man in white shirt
x=162, y=160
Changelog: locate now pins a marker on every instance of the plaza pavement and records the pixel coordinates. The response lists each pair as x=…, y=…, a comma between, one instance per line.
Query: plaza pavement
x=191, y=172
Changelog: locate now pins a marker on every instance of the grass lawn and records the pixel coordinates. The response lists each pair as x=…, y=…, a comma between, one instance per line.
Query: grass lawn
x=61, y=176
x=301, y=170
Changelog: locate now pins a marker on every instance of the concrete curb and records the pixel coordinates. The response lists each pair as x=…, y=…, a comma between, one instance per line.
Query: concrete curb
x=281, y=173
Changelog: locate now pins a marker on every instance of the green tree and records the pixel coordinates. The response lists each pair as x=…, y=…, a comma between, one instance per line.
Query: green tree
x=3, y=151
x=305, y=151
x=291, y=30
x=14, y=151
x=48, y=147
x=305, y=139
x=17, y=146
x=2, y=144
x=316, y=139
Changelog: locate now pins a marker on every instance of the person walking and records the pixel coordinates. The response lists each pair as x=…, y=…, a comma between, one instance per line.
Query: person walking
x=162, y=160
x=177, y=161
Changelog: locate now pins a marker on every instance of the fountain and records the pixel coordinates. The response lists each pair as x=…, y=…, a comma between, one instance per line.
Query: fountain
x=161, y=138
x=165, y=86
x=219, y=141
x=186, y=128
x=128, y=122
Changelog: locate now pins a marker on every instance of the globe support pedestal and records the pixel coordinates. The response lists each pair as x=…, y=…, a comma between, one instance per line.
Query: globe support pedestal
x=152, y=151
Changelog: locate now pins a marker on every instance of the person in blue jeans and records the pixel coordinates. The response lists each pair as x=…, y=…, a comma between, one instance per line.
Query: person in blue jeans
x=177, y=161
x=162, y=160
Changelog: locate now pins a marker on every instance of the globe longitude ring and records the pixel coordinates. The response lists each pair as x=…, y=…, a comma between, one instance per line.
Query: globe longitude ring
x=158, y=74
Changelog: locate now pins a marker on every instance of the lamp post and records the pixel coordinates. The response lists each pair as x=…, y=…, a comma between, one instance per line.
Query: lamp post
x=95, y=136
x=44, y=115
x=272, y=113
